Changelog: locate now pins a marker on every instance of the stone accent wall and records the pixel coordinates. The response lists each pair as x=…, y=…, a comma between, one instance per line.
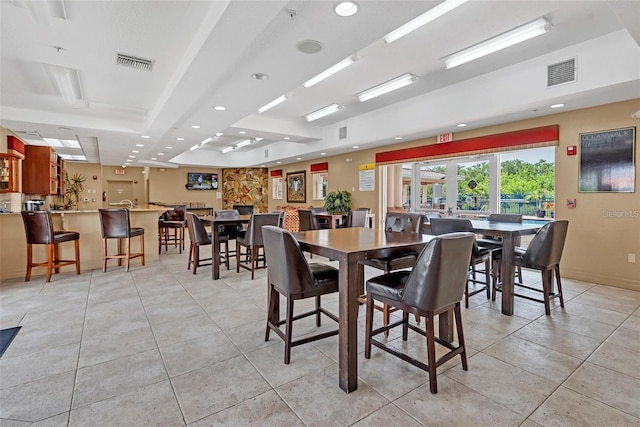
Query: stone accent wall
x=245, y=186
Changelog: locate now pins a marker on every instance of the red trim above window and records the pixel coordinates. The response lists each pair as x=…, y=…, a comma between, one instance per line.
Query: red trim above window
x=320, y=167
x=527, y=138
x=276, y=173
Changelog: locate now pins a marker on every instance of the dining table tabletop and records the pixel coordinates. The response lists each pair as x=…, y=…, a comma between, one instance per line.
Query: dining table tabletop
x=215, y=237
x=349, y=246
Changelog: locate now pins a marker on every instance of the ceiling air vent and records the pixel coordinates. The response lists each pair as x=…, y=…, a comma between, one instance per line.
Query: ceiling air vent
x=342, y=132
x=134, y=62
x=562, y=72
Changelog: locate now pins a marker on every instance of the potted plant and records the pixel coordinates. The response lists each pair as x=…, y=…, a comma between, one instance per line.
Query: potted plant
x=73, y=186
x=338, y=202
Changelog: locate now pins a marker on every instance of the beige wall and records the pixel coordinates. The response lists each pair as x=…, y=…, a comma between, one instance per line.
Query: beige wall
x=168, y=185
x=604, y=228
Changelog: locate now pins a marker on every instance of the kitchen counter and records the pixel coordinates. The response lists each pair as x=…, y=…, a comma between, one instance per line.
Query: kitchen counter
x=13, y=246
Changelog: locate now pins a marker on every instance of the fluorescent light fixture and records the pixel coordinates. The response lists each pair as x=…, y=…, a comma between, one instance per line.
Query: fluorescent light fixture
x=145, y=136
x=195, y=147
x=556, y=106
x=331, y=71
x=423, y=19
x=324, y=111
x=502, y=41
x=219, y=133
x=226, y=150
x=69, y=143
x=272, y=104
x=386, y=87
x=66, y=82
x=206, y=141
x=257, y=138
x=78, y=157
x=243, y=143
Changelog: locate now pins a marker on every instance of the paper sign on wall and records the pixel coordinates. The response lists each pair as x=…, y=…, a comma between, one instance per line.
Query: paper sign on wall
x=367, y=177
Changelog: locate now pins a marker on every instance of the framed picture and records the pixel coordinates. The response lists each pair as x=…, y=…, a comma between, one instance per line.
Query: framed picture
x=607, y=161
x=296, y=187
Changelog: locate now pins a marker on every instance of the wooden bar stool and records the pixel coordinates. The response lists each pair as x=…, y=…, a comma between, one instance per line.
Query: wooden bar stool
x=171, y=227
x=39, y=231
x=116, y=225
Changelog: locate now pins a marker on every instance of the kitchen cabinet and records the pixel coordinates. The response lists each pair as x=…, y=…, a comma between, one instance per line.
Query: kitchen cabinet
x=9, y=173
x=41, y=171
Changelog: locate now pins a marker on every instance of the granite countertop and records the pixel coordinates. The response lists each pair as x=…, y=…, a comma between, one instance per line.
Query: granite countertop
x=141, y=208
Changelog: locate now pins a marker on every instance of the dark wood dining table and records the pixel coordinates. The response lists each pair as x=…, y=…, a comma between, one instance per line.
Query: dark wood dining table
x=507, y=231
x=333, y=219
x=215, y=237
x=349, y=246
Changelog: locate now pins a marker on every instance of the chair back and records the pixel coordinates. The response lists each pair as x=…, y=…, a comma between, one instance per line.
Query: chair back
x=197, y=233
x=430, y=215
x=229, y=213
x=441, y=226
x=404, y=222
x=288, y=268
x=115, y=223
x=253, y=236
x=308, y=221
x=176, y=213
x=514, y=218
x=281, y=218
x=545, y=249
x=38, y=227
x=244, y=209
x=357, y=218
x=439, y=275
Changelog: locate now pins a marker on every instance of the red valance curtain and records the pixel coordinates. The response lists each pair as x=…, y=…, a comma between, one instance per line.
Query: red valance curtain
x=320, y=167
x=508, y=141
x=276, y=173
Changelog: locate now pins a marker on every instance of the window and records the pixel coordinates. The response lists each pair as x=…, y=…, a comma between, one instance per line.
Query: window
x=320, y=181
x=276, y=185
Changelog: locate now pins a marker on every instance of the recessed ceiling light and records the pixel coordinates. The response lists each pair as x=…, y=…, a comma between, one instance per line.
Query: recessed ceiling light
x=398, y=138
x=135, y=151
x=168, y=147
x=279, y=163
x=219, y=133
x=356, y=146
x=179, y=139
x=298, y=158
x=286, y=138
x=346, y=8
x=257, y=138
x=242, y=132
x=145, y=136
x=263, y=166
x=219, y=108
x=195, y=126
x=259, y=76
x=323, y=154
x=556, y=106
x=461, y=125
x=139, y=145
x=154, y=158
x=160, y=154
x=132, y=157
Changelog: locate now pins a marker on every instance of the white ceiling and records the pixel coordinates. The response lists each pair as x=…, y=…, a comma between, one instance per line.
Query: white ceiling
x=206, y=51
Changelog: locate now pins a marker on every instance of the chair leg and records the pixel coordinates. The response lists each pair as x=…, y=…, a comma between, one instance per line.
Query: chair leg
x=104, y=255
x=546, y=288
x=288, y=332
x=142, y=247
x=466, y=294
x=405, y=326
x=196, y=258
x=557, y=271
x=51, y=249
x=254, y=260
x=386, y=317
x=29, y=262
x=77, y=250
x=237, y=257
x=128, y=253
x=56, y=258
x=226, y=253
x=487, y=276
x=463, y=355
x=368, y=327
x=318, y=311
x=431, y=354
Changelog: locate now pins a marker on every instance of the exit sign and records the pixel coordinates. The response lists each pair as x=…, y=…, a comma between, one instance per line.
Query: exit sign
x=445, y=137
x=119, y=171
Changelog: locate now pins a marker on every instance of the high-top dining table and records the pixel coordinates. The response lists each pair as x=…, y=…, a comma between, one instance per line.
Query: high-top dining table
x=349, y=246
x=215, y=237
x=507, y=231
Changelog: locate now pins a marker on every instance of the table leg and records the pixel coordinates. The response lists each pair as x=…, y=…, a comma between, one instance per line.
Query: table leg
x=349, y=287
x=445, y=326
x=507, y=272
x=215, y=251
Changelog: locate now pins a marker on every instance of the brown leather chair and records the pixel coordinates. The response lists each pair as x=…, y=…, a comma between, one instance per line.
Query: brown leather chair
x=398, y=222
x=478, y=255
x=39, y=231
x=171, y=227
x=356, y=218
x=434, y=286
x=543, y=253
x=198, y=236
x=115, y=224
x=252, y=241
x=292, y=276
x=308, y=220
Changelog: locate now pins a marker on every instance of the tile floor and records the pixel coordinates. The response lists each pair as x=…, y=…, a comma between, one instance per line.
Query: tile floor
x=161, y=346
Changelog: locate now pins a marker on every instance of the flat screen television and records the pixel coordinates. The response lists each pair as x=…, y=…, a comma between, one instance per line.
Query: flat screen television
x=202, y=181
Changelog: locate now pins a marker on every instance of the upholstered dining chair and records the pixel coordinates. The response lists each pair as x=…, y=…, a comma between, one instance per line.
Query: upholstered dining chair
x=116, y=224
x=308, y=221
x=434, y=286
x=39, y=231
x=252, y=241
x=228, y=233
x=171, y=225
x=356, y=218
x=544, y=254
x=198, y=236
x=290, y=275
x=399, y=222
x=478, y=255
